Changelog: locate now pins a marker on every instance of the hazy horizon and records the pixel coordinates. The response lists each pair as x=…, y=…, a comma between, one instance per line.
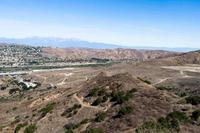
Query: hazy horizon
x=77, y=43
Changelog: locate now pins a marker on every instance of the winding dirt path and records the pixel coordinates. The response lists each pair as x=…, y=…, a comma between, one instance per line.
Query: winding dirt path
x=182, y=75
x=86, y=104
x=46, y=99
x=161, y=80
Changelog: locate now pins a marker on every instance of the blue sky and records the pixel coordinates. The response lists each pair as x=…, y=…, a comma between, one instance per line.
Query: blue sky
x=158, y=23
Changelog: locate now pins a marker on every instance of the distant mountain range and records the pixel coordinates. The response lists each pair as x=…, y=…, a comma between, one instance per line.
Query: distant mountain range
x=77, y=43
x=58, y=42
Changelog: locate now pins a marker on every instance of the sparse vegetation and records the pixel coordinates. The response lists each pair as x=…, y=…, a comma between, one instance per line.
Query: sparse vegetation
x=170, y=123
x=133, y=90
x=174, y=90
x=30, y=129
x=100, y=117
x=196, y=115
x=150, y=125
x=14, y=90
x=167, y=88
x=69, y=128
x=181, y=94
x=71, y=111
x=94, y=92
x=115, y=96
x=49, y=107
x=160, y=126
x=3, y=87
x=97, y=91
x=99, y=100
x=100, y=93
x=194, y=100
x=17, y=120
x=19, y=126
x=144, y=80
x=95, y=130
x=14, y=108
x=176, y=115
x=120, y=96
x=124, y=111
x=84, y=121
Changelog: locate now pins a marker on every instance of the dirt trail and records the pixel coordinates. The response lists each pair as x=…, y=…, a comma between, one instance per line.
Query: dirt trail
x=182, y=74
x=86, y=104
x=40, y=101
x=161, y=80
x=65, y=78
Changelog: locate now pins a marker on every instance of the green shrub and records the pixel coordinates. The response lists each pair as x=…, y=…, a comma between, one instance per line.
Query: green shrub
x=105, y=98
x=13, y=91
x=144, y=80
x=69, y=131
x=170, y=123
x=95, y=130
x=124, y=111
x=181, y=94
x=194, y=100
x=147, y=126
x=3, y=87
x=71, y=111
x=133, y=90
x=98, y=101
x=94, y=92
x=100, y=117
x=76, y=106
x=120, y=96
x=49, y=107
x=196, y=115
x=14, y=108
x=17, y=119
x=97, y=91
x=19, y=126
x=161, y=125
x=84, y=121
x=30, y=129
x=101, y=92
x=69, y=128
x=175, y=125
x=168, y=88
x=72, y=126
x=176, y=115
x=164, y=123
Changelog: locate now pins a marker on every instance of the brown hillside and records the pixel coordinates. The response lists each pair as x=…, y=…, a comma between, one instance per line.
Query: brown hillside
x=147, y=102
x=115, y=54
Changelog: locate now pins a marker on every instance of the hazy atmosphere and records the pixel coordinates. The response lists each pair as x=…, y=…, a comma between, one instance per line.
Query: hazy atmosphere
x=155, y=23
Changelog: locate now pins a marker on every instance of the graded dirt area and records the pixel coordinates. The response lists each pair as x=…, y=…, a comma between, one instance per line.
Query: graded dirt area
x=189, y=68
